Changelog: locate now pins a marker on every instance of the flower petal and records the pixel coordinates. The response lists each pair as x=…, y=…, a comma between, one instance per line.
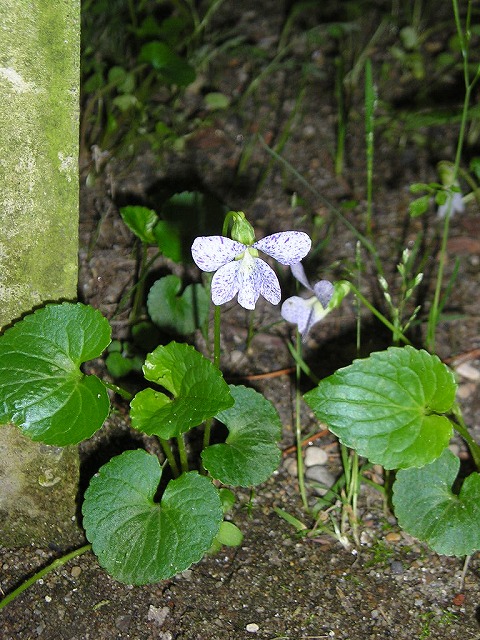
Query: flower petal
x=267, y=280
x=288, y=247
x=212, y=252
x=249, y=281
x=324, y=291
x=225, y=283
x=297, y=310
x=299, y=273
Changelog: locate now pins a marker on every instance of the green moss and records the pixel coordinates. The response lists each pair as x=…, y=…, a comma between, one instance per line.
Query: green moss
x=39, y=89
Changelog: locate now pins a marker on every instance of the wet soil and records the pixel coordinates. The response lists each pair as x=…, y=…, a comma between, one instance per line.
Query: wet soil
x=278, y=584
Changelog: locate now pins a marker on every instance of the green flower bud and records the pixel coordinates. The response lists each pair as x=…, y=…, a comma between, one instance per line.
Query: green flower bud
x=242, y=230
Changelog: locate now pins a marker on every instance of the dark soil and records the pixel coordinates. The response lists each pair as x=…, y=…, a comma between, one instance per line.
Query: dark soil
x=276, y=584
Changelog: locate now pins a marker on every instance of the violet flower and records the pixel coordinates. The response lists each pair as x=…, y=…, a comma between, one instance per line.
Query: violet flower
x=238, y=268
x=305, y=312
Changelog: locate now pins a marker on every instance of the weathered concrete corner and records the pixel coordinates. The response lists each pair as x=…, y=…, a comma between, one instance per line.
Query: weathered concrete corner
x=39, y=122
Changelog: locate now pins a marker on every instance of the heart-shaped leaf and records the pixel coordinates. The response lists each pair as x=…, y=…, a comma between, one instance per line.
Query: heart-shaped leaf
x=427, y=508
x=140, y=541
x=173, y=69
x=42, y=389
x=250, y=453
x=197, y=386
x=387, y=406
x=176, y=313
x=141, y=221
x=169, y=239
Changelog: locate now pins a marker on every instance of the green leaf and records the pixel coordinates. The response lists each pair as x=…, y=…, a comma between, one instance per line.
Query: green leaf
x=168, y=238
x=250, y=453
x=173, y=69
x=42, y=389
x=180, y=314
x=387, y=406
x=427, y=508
x=140, y=541
x=197, y=386
x=216, y=100
x=229, y=535
x=141, y=222
x=419, y=206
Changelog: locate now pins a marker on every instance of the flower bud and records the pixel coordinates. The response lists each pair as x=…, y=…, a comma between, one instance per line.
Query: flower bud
x=242, y=230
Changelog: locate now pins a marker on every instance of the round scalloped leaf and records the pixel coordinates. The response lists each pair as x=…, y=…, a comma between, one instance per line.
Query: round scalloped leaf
x=197, y=386
x=42, y=389
x=427, y=508
x=180, y=314
x=138, y=540
x=141, y=221
x=250, y=453
x=387, y=406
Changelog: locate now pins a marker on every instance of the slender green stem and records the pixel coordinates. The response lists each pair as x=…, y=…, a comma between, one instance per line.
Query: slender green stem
x=369, y=124
x=369, y=246
x=464, y=37
x=207, y=431
x=298, y=428
x=299, y=361
x=216, y=337
x=182, y=453
x=251, y=328
x=59, y=562
x=167, y=450
x=341, y=114
x=462, y=429
x=353, y=496
x=379, y=315
x=121, y=392
x=140, y=288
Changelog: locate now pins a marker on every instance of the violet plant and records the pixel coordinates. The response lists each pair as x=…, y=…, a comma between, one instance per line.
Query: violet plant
x=43, y=391
x=396, y=408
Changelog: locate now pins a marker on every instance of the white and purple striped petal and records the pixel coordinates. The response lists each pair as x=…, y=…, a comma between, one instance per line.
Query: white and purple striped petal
x=324, y=291
x=249, y=281
x=226, y=283
x=268, y=284
x=298, y=311
x=287, y=247
x=212, y=252
x=299, y=273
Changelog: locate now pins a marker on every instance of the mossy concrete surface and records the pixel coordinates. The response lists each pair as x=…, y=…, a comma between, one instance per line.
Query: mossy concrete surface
x=37, y=500
x=39, y=116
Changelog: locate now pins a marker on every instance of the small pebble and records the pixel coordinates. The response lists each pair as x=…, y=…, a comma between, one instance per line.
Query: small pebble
x=75, y=572
x=157, y=614
x=252, y=627
x=393, y=536
x=290, y=465
x=396, y=567
x=466, y=390
x=468, y=371
x=314, y=456
x=321, y=475
x=454, y=448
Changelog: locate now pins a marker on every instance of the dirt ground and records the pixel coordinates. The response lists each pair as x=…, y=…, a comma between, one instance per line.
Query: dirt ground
x=276, y=584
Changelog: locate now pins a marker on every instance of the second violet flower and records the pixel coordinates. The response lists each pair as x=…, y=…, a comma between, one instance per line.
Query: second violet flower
x=239, y=270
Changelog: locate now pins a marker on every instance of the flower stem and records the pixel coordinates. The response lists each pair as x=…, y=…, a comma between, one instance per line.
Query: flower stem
x=464, y=37
x=167, y=450
x=59, y=562
x=216, y=337
x=121, y=392
x=298, y=427
x=462, y=429
x=182, y=453
x=395, y=331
